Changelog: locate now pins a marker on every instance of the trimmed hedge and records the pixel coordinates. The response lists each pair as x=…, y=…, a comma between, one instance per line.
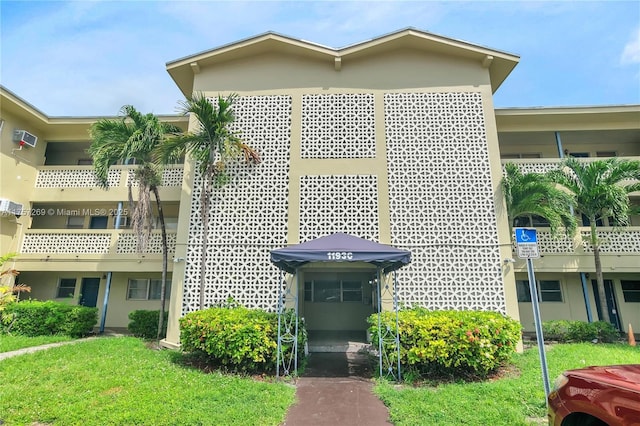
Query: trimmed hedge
x=579, y=331
x=145, y=324
x=38, y=318
x=236, y=338
x=452, y=343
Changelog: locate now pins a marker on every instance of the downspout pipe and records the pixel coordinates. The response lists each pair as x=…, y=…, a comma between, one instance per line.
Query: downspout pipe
x=583, y=277
x=105, y=303
x=585, y=292
x=559, y=145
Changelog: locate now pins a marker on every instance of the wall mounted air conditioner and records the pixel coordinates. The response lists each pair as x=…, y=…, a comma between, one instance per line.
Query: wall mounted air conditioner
x=23, y=137
x=8, y=208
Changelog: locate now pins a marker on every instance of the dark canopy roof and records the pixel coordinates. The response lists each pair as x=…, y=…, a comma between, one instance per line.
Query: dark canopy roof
x=340, y=248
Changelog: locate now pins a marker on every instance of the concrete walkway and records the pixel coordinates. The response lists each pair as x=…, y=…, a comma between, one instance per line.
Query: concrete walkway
x=336, y=390
x=32, y=349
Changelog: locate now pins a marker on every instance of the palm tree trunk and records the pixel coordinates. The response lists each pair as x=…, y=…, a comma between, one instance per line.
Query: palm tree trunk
x=604, y=307
x=205, y=204
x=165, y=249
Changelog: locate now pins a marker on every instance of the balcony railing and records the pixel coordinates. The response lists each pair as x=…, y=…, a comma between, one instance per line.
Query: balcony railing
x=91, y=242
x=543, y=165
x=612, y=241
x=84, y=177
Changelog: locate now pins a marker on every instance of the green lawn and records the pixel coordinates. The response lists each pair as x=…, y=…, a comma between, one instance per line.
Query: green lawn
x=516, y=399
x=118, y=381
x=10, y=343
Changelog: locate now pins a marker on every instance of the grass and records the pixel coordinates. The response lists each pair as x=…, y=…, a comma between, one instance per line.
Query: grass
x=120, y=381
x=10, y=343
x=515, y=399
x=116, y=381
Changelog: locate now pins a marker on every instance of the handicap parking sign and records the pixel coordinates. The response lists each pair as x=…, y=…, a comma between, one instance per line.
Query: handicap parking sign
x=526, y=236
x=527, y=243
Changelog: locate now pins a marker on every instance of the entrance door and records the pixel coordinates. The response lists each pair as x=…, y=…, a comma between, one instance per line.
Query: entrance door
x=89, y=292
x=612, y=305
x=335, y=307
x=98, y=222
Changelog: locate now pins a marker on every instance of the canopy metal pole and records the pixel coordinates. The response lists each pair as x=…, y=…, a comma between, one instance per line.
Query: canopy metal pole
x=280, y=304
x=296, y=299
x=380, y=354
x=396, y=306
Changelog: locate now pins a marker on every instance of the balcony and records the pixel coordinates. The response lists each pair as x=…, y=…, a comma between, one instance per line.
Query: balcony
x=84, y=177
x=68, y=183
x=90, y=246
x=619, y=250
x=543, y=165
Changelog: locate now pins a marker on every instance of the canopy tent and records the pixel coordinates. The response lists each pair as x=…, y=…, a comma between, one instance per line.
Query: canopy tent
x=337, y=247
x=340, y=247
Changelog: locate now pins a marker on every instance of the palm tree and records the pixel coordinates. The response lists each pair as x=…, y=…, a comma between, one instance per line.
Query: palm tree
x=211, y=145
x=135, y=136
x=535, y=194
x=601, y=189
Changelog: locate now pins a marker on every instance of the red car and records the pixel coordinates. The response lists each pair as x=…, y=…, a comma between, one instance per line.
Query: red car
x=596, y=396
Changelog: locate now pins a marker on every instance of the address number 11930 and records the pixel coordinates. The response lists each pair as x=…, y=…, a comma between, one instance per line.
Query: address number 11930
x=339, y=255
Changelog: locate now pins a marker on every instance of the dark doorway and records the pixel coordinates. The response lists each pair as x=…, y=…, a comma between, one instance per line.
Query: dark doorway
x=89, y=292
x=612, y=305
x=98, y=222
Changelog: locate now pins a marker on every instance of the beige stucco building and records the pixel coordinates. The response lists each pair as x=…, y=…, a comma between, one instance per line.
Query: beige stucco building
x=395, y=139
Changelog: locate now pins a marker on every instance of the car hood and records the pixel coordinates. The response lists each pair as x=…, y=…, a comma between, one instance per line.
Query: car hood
x=627, y=376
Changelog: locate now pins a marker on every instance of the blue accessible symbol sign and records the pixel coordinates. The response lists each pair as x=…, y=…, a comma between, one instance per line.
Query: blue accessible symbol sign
x=527, y=243
x=526, y=235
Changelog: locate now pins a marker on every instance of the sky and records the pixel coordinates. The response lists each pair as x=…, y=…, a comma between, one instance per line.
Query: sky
x=89, y=58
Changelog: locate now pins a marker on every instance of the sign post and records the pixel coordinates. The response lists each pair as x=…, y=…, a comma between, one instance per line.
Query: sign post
x=527, y=246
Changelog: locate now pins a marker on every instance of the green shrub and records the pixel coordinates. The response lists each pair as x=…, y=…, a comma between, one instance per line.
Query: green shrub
x=37, y=318
x=145, y=324
x=455, y=343
x=79, y=321
x=579, y=331
x=555, y=330
x=236, y=338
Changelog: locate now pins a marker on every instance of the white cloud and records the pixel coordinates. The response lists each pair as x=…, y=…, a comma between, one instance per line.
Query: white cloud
x=631, y=51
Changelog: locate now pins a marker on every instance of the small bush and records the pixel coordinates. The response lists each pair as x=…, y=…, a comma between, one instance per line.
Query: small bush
x=454, y=343
x=236, y=338
x=37, y=318
x=145, y=324
x=579, y=331
x=555, y=330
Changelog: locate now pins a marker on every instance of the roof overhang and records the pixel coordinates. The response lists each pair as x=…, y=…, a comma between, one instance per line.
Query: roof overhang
x=499, y=64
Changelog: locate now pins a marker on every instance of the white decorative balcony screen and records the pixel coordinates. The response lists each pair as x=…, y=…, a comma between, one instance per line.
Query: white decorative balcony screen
x=441, y=200
x=338, y=126
x=248, y=216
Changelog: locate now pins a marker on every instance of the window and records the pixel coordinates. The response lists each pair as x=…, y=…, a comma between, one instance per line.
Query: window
x=75, y=222
x=522, y=289
x=66, y=287
x=549, y=291
x=631, y=291
x=351, y=291
x=125, y=222
x=98, y=222
x=146, y=289
x=333, y=291
x=85, y=161
x=606, y=154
